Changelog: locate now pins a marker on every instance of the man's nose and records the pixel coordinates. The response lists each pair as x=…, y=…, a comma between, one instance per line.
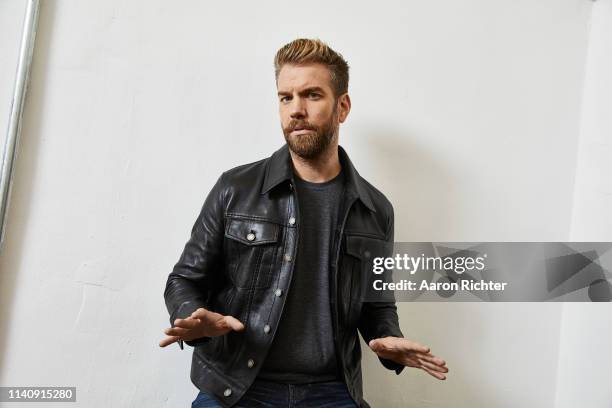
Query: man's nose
x=298, y=108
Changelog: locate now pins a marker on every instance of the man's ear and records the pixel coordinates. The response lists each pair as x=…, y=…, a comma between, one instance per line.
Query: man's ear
x=344, y=107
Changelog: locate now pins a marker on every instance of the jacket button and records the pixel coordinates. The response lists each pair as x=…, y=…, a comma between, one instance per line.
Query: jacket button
x=291, y=220
x=250, y=236
x=227, y=392
x=288, y=257
x=250, y=363
x=278, y=292
x=266, y=328
x=290, y=186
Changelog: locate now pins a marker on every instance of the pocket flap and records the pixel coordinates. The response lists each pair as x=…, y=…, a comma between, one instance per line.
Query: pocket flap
x=252, y=232
x=366, y=248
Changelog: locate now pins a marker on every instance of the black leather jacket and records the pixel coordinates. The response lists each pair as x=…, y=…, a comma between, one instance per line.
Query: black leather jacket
x=239, y=261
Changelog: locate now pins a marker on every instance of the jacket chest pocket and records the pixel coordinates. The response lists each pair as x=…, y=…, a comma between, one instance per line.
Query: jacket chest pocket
x=362, y=253
x=251, y=248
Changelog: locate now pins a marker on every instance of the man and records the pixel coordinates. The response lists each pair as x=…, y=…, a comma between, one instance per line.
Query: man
x=268, y=288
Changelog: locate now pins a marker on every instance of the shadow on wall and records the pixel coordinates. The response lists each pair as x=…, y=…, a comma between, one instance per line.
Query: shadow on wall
x=419, y=185
x=421, y=188
x=429, y=324
x=24, y=175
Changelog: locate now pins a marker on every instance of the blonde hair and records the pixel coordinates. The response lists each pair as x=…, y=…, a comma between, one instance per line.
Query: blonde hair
x=305, y=51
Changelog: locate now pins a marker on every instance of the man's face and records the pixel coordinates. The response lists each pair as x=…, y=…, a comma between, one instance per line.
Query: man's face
x=308, y=109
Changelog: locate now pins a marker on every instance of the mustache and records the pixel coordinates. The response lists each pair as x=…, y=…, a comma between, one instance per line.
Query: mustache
x=302, y=125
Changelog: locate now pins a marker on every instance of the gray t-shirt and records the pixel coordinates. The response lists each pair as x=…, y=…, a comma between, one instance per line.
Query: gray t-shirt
x=303, y=348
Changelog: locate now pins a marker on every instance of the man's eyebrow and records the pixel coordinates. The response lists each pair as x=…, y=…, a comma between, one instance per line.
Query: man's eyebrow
x=304, y=91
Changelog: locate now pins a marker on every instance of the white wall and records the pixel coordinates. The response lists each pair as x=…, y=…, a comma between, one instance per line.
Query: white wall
x=591, y=219
x=466, y=114
x=585, y=361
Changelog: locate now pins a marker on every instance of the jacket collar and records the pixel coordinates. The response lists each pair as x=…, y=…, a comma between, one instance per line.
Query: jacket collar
x=280, y=169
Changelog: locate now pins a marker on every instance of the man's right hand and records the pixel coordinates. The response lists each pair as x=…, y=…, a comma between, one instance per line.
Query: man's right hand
x=201, y=323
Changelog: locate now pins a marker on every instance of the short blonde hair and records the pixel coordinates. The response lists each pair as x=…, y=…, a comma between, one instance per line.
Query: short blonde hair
x=305, y=51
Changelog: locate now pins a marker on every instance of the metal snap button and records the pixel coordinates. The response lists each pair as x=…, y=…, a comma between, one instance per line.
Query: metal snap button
x=250, y=236
x=266, y=328
x=278, y=292
x=291, y=220
x=366, y=254
x=288, y=257
x=250, y=363
x=227, y=392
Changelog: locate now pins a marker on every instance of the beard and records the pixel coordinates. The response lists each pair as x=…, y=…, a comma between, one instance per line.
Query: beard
x=310, y=145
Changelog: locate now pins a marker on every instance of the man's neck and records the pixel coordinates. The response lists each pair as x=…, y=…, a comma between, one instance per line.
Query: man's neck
x=319, y=170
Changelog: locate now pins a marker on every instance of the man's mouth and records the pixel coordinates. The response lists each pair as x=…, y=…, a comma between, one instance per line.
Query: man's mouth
x=301, y=129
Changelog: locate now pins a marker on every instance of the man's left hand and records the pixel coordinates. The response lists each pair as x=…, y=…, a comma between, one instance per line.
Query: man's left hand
x=409, y=353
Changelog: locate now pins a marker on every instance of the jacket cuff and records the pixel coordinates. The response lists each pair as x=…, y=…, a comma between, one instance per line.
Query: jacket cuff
x=392, y=365
x=198, y=342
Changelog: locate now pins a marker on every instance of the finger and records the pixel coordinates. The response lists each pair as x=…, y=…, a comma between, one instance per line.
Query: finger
x=189, y=323
x=398, y=344
x=433, y=367
x=409, y=345
x=402, y=358
x=432, y=359
x=408, y=359
x=169, y=340
x=435, y=374
x=201, y=314
x=233, y=323
x=176, y=331
x=411, y=362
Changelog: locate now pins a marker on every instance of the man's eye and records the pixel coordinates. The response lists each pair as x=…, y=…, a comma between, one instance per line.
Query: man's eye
x=314, y=94
x=284, y=98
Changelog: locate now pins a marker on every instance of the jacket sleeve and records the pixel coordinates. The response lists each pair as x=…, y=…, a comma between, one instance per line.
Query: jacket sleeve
x=194, y=277
x=379, y=319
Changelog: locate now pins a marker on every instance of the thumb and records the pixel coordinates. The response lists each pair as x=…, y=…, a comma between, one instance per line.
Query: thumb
x=375, y=344
x=200, y=313
x=234, y=323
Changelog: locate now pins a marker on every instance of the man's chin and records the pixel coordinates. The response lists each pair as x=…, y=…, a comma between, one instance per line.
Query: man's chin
x=305, y=152
x=305, y=146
